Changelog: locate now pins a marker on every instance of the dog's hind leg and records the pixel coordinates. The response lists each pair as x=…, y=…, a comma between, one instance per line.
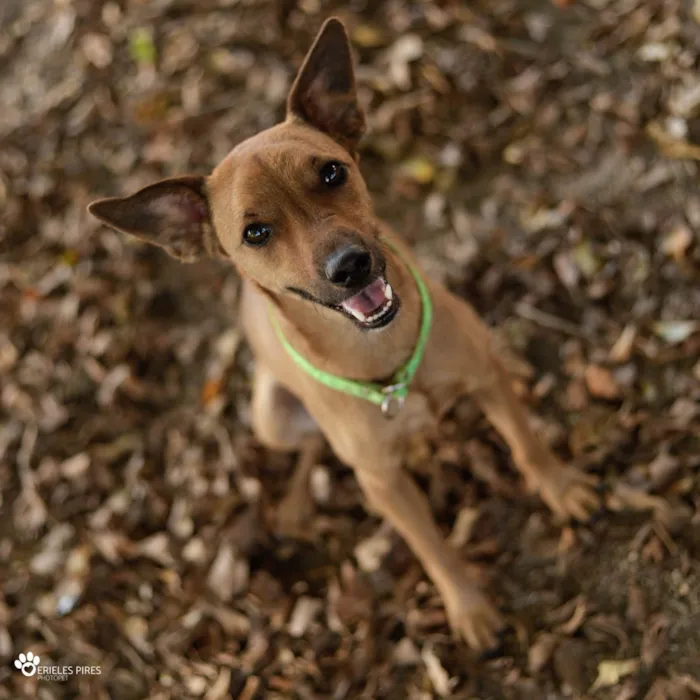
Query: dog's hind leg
x=295, y=510
x=280, y=422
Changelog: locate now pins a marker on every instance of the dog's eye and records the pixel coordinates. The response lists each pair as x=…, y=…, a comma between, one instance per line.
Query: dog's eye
x=333, y=174
x=256, y=234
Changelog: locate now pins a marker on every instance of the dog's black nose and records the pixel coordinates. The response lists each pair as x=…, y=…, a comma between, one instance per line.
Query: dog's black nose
x=348, y=266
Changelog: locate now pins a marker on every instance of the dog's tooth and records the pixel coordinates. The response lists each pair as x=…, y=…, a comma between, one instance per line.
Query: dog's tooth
x=388, y=292
x=359, y=315
x=382, y=311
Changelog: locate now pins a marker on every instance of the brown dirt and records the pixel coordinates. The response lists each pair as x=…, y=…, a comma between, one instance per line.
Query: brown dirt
x=543, y=159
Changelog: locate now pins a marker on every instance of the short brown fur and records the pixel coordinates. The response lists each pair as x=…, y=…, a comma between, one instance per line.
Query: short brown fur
x=273, y=178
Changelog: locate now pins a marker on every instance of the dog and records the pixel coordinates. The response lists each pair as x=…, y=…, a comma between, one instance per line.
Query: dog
x=350, y=338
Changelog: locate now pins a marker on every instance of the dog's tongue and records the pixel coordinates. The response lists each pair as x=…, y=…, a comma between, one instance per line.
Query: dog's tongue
x=368, y=300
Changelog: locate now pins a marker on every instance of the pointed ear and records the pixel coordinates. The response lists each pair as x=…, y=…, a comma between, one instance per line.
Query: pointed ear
x=172, y=214
x=323, y=93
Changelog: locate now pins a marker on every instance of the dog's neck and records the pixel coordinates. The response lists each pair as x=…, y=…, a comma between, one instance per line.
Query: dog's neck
x=335, y=344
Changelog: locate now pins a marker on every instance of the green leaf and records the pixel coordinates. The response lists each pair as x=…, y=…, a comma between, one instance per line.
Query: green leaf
x=141, y=46
x=674, y=332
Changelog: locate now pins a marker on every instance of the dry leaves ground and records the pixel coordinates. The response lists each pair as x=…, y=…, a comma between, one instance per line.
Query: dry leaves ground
x=543, y=158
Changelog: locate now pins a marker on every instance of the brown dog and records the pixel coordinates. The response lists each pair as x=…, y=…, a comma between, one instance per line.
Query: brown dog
x=291, y=211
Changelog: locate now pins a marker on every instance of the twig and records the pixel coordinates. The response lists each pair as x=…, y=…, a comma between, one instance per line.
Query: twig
x=547, y=320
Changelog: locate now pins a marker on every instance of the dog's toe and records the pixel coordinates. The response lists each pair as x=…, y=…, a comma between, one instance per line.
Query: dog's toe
x=474, y=619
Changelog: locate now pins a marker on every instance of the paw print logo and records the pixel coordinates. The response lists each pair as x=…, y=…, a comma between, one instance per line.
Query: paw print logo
x=27, y=664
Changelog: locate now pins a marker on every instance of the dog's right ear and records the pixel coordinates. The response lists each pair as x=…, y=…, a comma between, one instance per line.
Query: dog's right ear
x=324, y=93
x=173, y=214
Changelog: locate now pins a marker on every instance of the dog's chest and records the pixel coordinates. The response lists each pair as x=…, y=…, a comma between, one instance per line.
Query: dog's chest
x=418, y=414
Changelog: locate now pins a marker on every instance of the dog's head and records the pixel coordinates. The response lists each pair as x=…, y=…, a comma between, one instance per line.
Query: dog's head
x=288, y=206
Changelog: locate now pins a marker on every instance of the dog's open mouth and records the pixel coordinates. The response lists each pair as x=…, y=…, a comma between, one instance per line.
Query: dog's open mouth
x=372, y=307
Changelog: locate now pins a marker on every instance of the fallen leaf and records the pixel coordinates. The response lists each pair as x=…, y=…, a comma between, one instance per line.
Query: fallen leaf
x=541, y=651
x=5, y=644
x=320, y=484
x=688, y=682
x=600, y=627
x=235, y=624
x=674, y=332
x=636, y=606
x=566, y=270
x=250, y=689
x=601, y=383
x=655, y=51
x=541, y=219
x=141, y=46
x=586, y=259
x=405, y=653
x=371, y=552
x=662, y=469
x=228, y=574
x=368, y=36
x=628, y=691
x=576, y=620
x=136, y=630
x=419, y=169
x=668, y=689
x=676, y=243
x=611, y=672
x=75, y=466
x=621, y=351
x=463, y=527
x=157, y=548
x=655, y=639
x=482, y=464
x=303, y=614
x=210, y=390
x=569, y=661
x=97, y=48
x=670, y=146
x=439, y=678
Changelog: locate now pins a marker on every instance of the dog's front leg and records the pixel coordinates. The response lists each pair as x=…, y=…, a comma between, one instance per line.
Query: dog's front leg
x=567, y=491
x=394, y=495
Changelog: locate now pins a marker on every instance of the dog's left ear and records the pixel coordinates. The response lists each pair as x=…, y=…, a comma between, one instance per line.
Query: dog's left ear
x=324, y=93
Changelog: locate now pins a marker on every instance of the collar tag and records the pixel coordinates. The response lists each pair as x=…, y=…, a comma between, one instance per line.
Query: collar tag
x=394, y=398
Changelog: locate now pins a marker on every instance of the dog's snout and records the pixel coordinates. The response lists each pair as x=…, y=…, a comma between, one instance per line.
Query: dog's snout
x=348, y=266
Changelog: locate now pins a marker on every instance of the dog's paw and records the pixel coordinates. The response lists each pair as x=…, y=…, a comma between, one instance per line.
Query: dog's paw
x=568, y=492
x=474, y=619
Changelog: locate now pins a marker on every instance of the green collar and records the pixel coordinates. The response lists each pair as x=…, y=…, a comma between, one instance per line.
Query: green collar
x=391, y=396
